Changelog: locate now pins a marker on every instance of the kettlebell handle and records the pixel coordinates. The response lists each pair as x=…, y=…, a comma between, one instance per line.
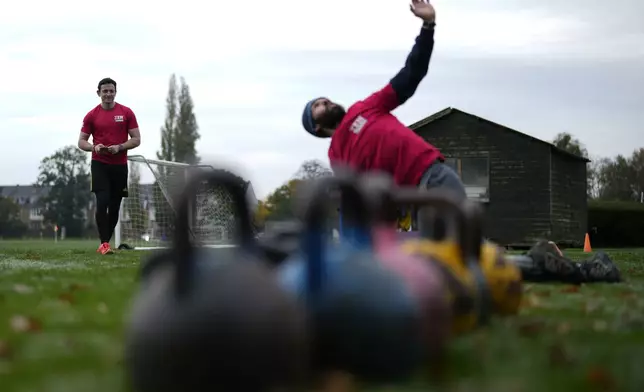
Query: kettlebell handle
x=314, y=217
x=183, y=245
x=443, y=199
x=474, y=228
x=380, y=187
x=474, y=217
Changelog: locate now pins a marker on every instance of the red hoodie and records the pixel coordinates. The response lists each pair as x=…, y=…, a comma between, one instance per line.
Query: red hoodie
x=370, y=138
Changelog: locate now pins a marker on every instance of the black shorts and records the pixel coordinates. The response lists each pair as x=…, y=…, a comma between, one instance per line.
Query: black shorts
x=110, y=178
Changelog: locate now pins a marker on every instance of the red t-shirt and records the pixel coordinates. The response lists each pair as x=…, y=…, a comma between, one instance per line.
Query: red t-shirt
x=109, y=127
x=370, y=138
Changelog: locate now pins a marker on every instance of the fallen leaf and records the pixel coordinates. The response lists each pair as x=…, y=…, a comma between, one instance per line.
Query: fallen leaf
x=558, y=355
x=339, y=382
x=77, y=286
x=66, y=297
x=563, y=328
x=531, y=301
x=629, y=296
x=531, y=328
x=102, y=308
x=22, y=289
x=69, y=344
x=32, y=256
x=600, y=325
x=601, y=379
x=591, y=306
x=544, y=294
x=570, y=289
x=25, y=324
x=5, y=350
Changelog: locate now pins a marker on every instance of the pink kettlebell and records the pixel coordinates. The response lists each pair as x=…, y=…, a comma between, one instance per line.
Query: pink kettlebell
x=423, y=279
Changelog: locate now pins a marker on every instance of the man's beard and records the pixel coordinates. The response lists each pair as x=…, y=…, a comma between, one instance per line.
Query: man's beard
x=332, y=117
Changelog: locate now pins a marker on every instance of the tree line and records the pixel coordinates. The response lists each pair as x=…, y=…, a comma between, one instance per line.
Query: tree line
x=618, y=178
x=278, y=205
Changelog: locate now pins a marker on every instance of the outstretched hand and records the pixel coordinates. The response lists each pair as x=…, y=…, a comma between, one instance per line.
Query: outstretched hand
x=423, y=10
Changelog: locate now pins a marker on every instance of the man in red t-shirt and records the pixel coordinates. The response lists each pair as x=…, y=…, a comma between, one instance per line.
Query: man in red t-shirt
x=368, y=137
x=110, y=124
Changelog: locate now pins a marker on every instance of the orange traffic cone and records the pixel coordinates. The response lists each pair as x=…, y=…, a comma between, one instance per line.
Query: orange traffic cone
x=587, y=248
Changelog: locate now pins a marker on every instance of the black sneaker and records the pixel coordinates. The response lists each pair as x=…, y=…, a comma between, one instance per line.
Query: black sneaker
x=600, y=268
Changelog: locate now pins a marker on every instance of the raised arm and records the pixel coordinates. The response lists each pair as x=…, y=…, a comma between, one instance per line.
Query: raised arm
x=409, y=77
x=402, y=86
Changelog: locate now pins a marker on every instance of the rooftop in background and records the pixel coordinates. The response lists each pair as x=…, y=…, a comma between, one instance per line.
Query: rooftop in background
x=22, y=191
x=450, y=110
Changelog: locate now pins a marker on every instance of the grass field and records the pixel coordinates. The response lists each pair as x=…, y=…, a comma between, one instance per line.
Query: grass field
x=62, y=309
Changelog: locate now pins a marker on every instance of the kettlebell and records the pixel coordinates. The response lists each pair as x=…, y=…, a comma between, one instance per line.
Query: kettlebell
x=280, y=242
x=504, y=279
x=214, y=319
x=457, y=258
x=423, y=279
x=364, y=320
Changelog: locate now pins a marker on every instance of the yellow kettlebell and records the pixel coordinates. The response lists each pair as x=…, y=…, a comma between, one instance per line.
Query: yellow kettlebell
x=503, y=279
x=458, y=258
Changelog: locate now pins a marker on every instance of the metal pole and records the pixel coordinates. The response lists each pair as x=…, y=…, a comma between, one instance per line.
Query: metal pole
x=117, y=229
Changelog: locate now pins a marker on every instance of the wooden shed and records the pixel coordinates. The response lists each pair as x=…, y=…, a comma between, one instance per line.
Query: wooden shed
x=529, y=188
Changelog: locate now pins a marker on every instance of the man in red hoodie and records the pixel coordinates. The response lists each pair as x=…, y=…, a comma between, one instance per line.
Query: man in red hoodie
x=368, y=137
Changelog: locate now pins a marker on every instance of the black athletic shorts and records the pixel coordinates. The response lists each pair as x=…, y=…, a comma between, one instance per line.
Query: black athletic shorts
x=109, y=177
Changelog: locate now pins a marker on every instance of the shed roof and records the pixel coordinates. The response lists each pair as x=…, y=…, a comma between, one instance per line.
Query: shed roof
x=447, y=111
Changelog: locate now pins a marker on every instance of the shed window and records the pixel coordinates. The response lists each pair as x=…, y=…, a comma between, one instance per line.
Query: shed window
x=475, y=174
x=475, y=171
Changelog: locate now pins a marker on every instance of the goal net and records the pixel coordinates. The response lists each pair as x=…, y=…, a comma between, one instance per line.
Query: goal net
x=147, y=215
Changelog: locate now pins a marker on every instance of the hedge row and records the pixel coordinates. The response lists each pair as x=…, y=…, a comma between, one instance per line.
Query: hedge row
x=616, y=224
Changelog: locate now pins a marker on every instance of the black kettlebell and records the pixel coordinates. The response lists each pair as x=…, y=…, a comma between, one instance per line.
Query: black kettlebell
x=364, y=320
x=279, y=243
x=214, y=319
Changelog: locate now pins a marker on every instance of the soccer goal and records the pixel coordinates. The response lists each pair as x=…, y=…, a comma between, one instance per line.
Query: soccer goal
x=147, y=215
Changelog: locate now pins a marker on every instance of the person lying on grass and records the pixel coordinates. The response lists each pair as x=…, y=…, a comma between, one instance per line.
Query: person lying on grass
x=550, y=265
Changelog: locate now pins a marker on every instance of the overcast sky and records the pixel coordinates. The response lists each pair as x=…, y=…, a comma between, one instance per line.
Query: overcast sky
x=538, y=66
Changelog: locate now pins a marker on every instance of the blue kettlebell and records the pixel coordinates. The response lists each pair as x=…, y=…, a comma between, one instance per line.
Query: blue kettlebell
x=214, y=319
x=363, y=320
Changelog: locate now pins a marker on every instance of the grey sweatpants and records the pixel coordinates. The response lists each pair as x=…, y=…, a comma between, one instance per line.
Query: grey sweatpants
x=440, y=175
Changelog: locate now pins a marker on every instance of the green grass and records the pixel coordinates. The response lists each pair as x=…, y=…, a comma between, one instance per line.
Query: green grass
x=62, y=309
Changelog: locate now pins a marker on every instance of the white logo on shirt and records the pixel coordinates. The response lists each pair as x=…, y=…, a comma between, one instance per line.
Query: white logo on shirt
x=358, y=124
x=118, y=118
